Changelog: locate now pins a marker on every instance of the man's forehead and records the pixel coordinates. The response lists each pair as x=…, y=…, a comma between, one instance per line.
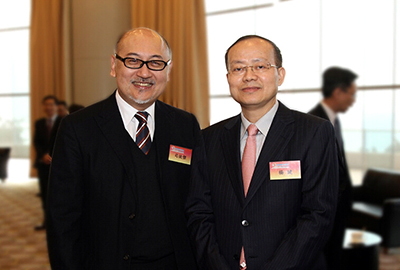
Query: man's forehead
x=250, y=54
x=253, y=60
x=138, y=42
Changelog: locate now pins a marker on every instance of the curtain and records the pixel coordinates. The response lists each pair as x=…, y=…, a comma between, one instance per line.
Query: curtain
x=46, y=57
x=182, y=24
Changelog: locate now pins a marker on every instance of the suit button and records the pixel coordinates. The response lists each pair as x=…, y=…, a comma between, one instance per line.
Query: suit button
x=126, y=257
x=245, y=223
x=131, y=216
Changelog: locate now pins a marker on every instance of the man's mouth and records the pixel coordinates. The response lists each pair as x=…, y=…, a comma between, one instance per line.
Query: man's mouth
x=250, y=88
x=142, y=84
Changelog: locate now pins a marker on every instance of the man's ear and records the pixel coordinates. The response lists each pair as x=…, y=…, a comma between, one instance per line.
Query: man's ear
x=281, y=74
x=112, y=72
x=169, y=70
x=337, y=92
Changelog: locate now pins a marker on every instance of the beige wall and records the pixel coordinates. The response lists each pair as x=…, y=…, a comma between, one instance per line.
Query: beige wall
x=92, y=28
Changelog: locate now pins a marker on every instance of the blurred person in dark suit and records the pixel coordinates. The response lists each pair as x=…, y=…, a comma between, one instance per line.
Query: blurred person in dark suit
x=62, y=108
x=264, y=185
x=121, y=168
x=339, y=93
x=43, y=140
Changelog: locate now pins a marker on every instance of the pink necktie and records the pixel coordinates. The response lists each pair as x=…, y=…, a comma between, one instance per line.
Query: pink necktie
x=248, y=164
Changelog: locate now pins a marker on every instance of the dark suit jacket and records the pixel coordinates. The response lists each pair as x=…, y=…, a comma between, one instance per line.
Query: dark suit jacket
x=91, y=191
x=288, y=221
x=41, y=140
x=333, y=248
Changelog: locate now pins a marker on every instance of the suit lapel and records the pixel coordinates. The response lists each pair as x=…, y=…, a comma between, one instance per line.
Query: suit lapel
x=230, y=141
x=277, y=139
x=110, y=123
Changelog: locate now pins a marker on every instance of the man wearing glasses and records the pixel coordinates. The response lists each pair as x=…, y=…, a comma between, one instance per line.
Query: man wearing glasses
x=120, y=170
x=264, y=185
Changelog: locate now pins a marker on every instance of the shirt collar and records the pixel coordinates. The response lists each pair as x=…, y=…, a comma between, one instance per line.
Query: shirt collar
x=128, y=112
x=53, y=118
x=263, y=124
x=331, y=114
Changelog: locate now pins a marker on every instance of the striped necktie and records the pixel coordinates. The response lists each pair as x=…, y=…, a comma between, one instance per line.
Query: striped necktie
x=143, y=139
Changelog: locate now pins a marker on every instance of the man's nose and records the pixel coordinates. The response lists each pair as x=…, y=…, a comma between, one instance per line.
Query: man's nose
x=144, y=72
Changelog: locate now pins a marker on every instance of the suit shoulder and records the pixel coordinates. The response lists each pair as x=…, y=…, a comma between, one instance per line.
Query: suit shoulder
x=319, y=111
x=308, y=117
x=178, y=113
x=310, y=123
x=218, y=127
x=91, y=110
x=84, y=118
x=40, y=120
x=313, y=125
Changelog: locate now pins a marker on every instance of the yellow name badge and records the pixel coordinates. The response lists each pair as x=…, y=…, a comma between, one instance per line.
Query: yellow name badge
x=180, y=154
x=282, y=170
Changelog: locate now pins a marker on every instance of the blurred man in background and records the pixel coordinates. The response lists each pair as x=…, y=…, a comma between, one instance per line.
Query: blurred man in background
x=339, y=93
x=43, y=140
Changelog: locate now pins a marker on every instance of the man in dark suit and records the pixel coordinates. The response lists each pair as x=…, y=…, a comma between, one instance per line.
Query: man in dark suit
x=339, y=91
x=120, y=171
x=278, y=216
x=43, y=141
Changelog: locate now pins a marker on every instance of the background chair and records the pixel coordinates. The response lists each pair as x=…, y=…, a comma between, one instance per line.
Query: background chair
x=376, y=206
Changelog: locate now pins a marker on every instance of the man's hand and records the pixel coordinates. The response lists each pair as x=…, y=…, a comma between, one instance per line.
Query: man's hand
x=46, y=159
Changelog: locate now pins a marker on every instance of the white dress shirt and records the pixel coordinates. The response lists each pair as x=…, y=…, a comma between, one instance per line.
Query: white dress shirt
x=128, y=117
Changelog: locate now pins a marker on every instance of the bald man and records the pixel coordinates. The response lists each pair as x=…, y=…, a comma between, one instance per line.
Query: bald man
x=264, y=184
x=120, y=170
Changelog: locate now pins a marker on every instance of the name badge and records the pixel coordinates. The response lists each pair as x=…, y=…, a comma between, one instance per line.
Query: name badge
x=282, y=170
x=180, y=154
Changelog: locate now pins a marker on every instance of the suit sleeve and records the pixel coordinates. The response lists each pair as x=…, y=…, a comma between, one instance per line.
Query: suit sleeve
x=302, y=245
x=200, y=215
x=65, y=201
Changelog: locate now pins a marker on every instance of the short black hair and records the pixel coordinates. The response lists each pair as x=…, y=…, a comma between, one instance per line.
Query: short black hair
x=335, y=77
x=277, y=51
x=62, y=102
x=54, y=98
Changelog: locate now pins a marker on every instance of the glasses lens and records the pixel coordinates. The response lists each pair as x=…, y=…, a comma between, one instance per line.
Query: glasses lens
x=156, y=65
x=133, y=63
x=238, y=70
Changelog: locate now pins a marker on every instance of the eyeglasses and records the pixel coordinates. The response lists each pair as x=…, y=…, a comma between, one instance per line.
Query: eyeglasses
x=134, y=63
x=258, y=68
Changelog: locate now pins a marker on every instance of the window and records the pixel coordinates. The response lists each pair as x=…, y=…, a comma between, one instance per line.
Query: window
x=14, y=77
x=314, y=35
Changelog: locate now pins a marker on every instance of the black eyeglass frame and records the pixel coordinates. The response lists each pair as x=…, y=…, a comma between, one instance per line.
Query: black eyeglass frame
x=142, y=62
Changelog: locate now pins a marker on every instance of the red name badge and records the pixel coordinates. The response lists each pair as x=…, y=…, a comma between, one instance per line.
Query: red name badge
x=180, y=154
x=282, y=170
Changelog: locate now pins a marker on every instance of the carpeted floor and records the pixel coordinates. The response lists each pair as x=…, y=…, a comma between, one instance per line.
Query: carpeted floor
x=23, y=248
